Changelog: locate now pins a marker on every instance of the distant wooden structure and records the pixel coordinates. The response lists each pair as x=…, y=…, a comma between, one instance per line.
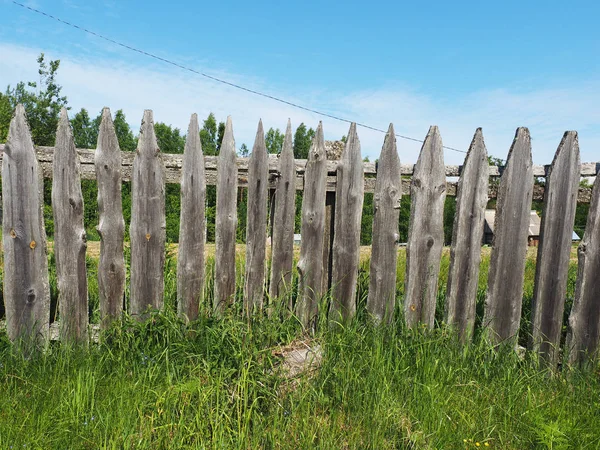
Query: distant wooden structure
x=334, y=184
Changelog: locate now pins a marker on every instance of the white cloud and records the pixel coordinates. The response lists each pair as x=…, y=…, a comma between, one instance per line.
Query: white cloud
x=173, y=94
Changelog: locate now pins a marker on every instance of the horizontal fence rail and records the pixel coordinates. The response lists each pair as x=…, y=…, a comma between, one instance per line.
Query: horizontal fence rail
x=331, y=211
x=173, y=164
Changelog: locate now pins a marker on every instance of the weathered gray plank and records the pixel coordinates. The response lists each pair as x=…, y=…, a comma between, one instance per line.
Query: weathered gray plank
x=26, y=285
x=583, y=337
x=69, y=236
x=554, y=251
x=384, y=255
x=507, y=262
x=465, y=253
x=282, y=258
x=226, y=222
x=425, y=232
x=173, y=172
x=346, y=237
x=173, y=163
x=191, y=274
x=111, y=228
x=256, y=225
x=310, y=264
x=147, y=229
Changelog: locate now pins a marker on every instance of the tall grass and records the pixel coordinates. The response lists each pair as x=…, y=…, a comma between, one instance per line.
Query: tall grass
x=218, y=383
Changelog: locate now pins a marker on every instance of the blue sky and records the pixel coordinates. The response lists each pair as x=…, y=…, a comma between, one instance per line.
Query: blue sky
x=498, y=65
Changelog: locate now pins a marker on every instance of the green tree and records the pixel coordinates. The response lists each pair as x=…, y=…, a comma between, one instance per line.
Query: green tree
x=302, y=141
x=211, y=136
x=274, y=141
x=170, y=140
x=42, y=101
x=85, y=130
x=5, y=116
x=244, y=151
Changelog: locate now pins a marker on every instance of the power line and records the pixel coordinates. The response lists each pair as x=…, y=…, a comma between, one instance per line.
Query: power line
x=210, y=77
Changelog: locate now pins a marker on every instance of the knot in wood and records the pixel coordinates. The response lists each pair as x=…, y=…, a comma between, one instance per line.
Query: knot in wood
x=32, y=245
x=147, y=236
x=430, y=242
x=13, y=233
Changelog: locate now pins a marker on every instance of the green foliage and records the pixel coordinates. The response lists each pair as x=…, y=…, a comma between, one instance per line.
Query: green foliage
x=274, y=141
x=6, y=112
x=404, y=218
x=42, y=102
x=85, y=131
x=449, y=213
x=366, y=224
x=302, y=141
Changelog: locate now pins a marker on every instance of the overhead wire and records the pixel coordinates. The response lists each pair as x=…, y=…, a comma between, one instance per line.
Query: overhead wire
x=219, y=80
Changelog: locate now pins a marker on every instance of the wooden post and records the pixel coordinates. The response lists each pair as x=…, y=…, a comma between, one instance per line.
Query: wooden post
x=554, y=251
x=583, y=337
x=282, y=257
x=191, y=273
x=26, y=285
x=310, y=265
x=69, y=236
x=425, y=232
x=256, y=225
x=465, y=254
x=507, y=262
x=111, y=267
x=225, y=222
x=384, y=252
x=346, y=239
x=147, y=230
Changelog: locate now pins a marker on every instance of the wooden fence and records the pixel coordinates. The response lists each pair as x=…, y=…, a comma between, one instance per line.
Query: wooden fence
x=331, y=220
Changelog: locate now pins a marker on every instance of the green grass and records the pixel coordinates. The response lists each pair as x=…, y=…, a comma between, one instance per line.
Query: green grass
x=216, y=383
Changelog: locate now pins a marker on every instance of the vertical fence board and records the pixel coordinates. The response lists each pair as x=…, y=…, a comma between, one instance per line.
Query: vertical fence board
x=111, y=228
x=465, y=254
x=282, y=258
x=26, y=284
x=554, y=251
x=147, y=230
x=225, y=222
x=507, y=263
x=310, y=264
x=256, y=225
x=69, y=236
x=346, y=237
x=384, y=252
x=583, y=337
x=191, y=273
x=425, y=232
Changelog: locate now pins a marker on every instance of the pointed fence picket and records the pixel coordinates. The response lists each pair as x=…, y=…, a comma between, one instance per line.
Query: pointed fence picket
x=69, y=236
x=554, y=251
x=583, y=337
x=310, y=265
x=346, y=236
x=147, y=230
x=425, y=233
x=226, y=222
x=384, y=255
x=26, y=282
x=256, y=229
x=282, y=259
x=467, y=233
x=111, y=227
x=507, y=262
x=26, y=287
x=191, y=273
